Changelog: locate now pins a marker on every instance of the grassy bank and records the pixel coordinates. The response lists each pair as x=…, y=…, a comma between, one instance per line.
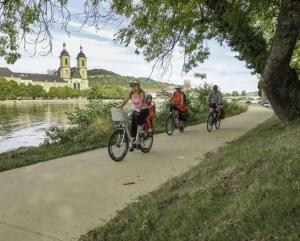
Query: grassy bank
x=93, y=138
x=247, y=190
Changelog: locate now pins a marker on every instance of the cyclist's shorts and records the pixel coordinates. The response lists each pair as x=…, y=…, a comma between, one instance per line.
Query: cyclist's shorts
x=213, y=105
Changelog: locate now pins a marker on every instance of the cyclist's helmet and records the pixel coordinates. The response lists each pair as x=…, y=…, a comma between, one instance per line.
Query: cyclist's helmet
x=178, y=87
x=134, y=82
x=215, y=87
x=148, y=97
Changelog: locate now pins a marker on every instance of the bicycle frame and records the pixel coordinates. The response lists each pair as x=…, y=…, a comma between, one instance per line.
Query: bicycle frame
x=123, y=125
x=175, y=115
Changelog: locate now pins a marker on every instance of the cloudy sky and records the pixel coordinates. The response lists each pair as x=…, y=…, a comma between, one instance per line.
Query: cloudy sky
x=221, y=68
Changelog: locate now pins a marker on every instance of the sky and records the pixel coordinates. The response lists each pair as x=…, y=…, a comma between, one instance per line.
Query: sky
x=222, y=68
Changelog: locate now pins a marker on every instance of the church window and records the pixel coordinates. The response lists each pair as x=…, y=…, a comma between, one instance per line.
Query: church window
x=78, y=86
x=82, y=63
x=66, y=61
x=74, y=85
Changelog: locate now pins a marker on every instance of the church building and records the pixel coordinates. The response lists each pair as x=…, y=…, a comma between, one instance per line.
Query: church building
x=74, y=77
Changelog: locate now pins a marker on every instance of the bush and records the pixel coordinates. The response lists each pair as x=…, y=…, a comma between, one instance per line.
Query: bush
x=87, y=125
x=234, y=108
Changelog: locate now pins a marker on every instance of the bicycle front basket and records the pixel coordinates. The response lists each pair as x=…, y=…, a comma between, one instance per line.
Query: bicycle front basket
x=118, y=114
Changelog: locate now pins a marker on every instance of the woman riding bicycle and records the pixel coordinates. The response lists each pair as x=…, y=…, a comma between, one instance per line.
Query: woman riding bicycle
x=140, y=108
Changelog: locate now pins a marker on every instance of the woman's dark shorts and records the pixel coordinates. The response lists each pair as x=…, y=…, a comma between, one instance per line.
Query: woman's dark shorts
x=141, y=116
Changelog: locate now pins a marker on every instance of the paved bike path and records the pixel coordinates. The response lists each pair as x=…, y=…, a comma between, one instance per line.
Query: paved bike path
x=66, y=197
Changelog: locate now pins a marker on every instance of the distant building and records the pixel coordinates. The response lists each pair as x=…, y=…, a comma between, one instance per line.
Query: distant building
x=75, y=77
x=187, y=85
x=158, y=92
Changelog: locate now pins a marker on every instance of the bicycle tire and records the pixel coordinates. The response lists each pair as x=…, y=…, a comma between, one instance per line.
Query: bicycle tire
x=170, y=125
x=210, y=122
x=217, y=123
x=148, y=148
x=120, y=133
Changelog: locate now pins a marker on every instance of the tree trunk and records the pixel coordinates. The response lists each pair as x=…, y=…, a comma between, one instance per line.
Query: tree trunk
x=280, y=82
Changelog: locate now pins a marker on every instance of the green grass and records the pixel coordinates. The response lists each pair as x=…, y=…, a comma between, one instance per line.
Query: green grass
x=31, y=155
x=247, y=190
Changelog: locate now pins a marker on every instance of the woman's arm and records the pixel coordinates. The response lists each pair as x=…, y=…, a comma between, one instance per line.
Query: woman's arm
x=142, y=98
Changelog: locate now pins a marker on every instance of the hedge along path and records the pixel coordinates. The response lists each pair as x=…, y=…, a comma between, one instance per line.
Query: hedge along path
x=66, y=197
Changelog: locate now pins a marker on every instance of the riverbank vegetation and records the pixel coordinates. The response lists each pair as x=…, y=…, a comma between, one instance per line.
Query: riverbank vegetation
x=111, y=86
x=247, y=190
x=91, y=126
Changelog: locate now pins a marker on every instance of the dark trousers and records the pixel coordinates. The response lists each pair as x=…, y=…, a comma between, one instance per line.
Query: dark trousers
x=138, y=118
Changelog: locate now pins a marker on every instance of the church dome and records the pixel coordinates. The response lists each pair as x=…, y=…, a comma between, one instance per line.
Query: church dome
x=81, y=54
x=64, y=52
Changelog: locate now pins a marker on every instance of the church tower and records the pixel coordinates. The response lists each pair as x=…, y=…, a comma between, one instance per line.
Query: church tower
x=65, y=65
x=81, y=64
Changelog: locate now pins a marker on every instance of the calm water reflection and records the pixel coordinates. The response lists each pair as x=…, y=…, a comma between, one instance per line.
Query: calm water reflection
x=25, y=124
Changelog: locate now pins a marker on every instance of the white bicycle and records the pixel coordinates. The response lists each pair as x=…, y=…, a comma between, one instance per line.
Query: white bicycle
x=120, y=138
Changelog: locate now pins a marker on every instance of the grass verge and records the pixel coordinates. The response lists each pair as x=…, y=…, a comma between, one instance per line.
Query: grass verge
x=247, y=190
x=31, y=155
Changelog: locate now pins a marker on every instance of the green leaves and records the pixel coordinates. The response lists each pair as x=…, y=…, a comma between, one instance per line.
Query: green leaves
x=157, y=28
x=11, y=90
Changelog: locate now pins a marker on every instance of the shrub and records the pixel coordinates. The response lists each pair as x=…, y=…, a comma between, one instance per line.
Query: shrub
x=87, y=125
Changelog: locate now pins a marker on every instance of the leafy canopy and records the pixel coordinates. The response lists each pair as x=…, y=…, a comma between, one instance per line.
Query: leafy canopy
x=157, y=28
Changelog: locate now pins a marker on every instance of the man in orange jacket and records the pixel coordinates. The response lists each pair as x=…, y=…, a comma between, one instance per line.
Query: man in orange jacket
x=179, y=103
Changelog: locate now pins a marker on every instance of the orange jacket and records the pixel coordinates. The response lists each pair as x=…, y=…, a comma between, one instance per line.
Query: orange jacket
x=178, y=101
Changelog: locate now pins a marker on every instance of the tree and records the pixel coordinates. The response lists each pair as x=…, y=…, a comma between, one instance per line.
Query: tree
x=280, y=81
x=246, y=26
x=22, y=91
x=264, y=33
x=259, y=88
x=235, y=93
x=36, y=91
x=51, y=71
x=244, y=93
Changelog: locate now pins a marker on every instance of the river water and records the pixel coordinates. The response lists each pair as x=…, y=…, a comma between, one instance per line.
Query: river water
x=24, y=124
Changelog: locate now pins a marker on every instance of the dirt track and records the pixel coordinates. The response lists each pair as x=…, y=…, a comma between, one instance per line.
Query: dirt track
x=66, y=197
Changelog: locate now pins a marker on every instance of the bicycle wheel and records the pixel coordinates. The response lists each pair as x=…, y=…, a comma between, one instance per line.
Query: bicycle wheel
x=210, y=122
x=146, y=143
x=118, y=145
x=170, y=125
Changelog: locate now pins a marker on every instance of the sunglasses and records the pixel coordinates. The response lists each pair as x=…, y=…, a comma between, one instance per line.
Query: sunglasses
x=132, y=85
